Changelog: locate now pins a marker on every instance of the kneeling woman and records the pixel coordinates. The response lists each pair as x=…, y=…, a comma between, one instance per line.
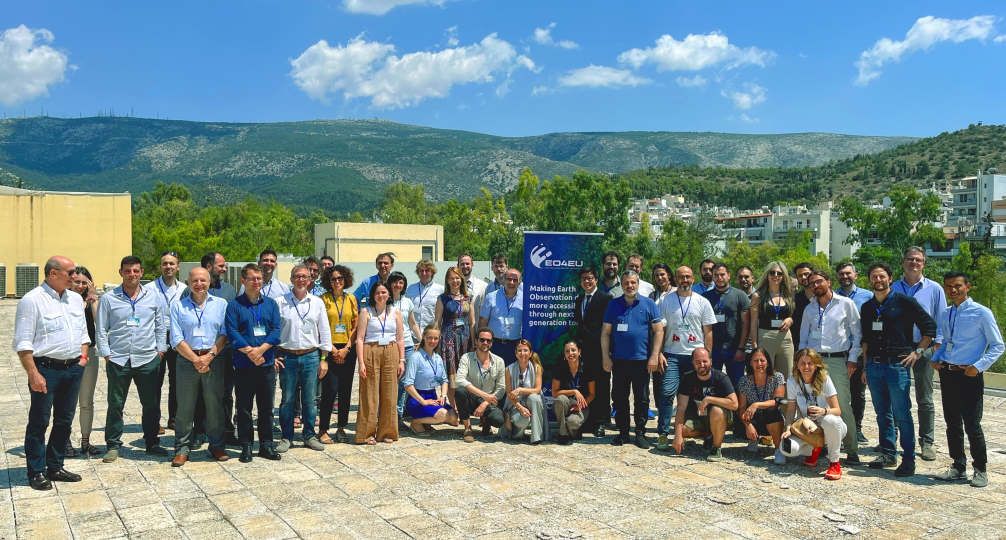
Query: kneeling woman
x=757, y=394
x=573, y=390
x=424, y=375
x=812, y=394
x=524, y=404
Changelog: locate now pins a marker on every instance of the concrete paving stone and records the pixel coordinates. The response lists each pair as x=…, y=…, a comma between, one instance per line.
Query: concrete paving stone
x=274, y=498
x=148, y=517
x=86, y=503
x=47, y=529
x=188, y=511
x=238, y=503
x=169, y=533
x=217, y=529
x=414, y=525
x=354, y=484
x=397, y=509
x=97, y=525
x=264, y=525
x=128, y=497
x=750, y=529
x=304, y=521
x=218, y=482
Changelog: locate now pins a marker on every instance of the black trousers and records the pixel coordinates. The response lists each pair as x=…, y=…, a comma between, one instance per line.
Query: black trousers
x=168, y=367
x=467, y=403
x=337, y=383
x=858, y=390
x=962, y=411
x=256, y=384
x=626, y=375
x=600, y=407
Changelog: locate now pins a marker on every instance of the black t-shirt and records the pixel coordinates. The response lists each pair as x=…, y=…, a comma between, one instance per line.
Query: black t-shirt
x=718, y=386
x=572, y=382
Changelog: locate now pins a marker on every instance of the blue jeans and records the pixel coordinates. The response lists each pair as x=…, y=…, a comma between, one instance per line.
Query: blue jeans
x=890, y=385
x=303, y=371
x=62, y=386
x=667, y=382
x=402, y=394
x=725, y=357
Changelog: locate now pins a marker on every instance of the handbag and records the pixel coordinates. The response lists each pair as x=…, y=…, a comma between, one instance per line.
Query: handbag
x=809, y=432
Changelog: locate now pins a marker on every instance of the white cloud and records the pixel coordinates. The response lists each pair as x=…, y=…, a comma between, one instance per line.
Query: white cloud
x=370, y=69
x=380, y=7
x=748, y=119
x=27, y=65
x=751, y=96
x=999, y=39
x=926, y=32
x=695, y=52
x=540, y=90
x=543, y=36
x=688, y=82
x=452, y=36
x=601, y=76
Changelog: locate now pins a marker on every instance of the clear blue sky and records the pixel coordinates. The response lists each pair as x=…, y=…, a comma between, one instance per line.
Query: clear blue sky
x=514, y=67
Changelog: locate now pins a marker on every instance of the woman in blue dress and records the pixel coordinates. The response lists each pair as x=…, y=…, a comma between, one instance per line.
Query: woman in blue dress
x=425, y=382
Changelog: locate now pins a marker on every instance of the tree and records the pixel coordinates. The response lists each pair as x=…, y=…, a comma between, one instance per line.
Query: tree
x=908, y=222
x=679, y=244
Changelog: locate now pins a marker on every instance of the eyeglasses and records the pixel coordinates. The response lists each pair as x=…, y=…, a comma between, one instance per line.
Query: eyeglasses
x=776, y=273
x=816, y=282
x=485, y=340
x=302, y=276
x=337, y=278
x=172, y=253
x=914, y=259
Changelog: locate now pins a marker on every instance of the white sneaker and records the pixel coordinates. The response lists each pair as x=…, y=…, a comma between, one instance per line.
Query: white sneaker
x=779, y=458
x=282, y=446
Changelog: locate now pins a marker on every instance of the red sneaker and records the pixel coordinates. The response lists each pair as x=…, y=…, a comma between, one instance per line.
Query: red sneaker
x=834, y=471
x=812, y=458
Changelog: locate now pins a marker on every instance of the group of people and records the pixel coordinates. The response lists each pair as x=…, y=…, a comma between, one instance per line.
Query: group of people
x=781, y=363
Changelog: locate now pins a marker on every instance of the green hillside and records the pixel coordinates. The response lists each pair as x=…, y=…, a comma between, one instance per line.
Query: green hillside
x=345, y=165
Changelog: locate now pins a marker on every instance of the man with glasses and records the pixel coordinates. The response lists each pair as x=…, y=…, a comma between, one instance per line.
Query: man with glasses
x=481, y=386
x=831, y=326
x=502, y=312
x=168, y=291
x=635, y=263
x=588, y=310
x=50, y=337
x=132, y=336
x=931, y=297
x=384, y=262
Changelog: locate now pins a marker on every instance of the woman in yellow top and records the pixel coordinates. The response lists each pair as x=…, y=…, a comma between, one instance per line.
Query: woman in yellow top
x=343, y=314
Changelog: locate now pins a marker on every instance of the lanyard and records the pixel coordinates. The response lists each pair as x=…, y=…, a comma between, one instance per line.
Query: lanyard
x=338, y=307
x=159, y=282
x=952, y=320
x=880, y=309
x=384, y=320
x=684, y=307
x=256, y=310
x=199, y=312
x=820, y=313
x=806, y=396
x=913, y=289
x=297, y=309
x=777, y=308
x=132, y=303
x=429, y=360
x=269, y=288
x=719, y=306
x=422, y=294
x=509, y=303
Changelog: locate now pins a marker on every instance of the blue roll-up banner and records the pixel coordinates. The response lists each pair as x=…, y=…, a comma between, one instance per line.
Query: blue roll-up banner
x=552, y=264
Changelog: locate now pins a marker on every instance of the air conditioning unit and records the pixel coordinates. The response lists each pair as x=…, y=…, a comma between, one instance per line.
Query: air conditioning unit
x=3, y=280
x=25, y=278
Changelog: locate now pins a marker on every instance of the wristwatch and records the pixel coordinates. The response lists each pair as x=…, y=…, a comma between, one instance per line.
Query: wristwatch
x=919, y=351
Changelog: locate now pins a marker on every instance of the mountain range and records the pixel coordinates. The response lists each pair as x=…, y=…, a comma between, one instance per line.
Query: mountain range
x=344, y=165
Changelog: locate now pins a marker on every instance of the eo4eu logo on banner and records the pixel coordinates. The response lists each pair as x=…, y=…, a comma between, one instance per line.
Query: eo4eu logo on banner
x=552, y=264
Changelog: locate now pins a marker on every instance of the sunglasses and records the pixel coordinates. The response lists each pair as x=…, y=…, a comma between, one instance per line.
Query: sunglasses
x=172, y=253
x=776, y=273
x=338, y=278
x=484, y=340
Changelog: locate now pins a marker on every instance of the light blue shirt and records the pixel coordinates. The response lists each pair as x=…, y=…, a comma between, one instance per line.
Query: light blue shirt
x=424, y=372
x=128, y=331
x=186, y=318
x=504, y=314
x=931, y=297
x=424, y=298
x=972, y=336
x=362, y=293
x=858, y=295
x=317, y=290
x=701, y=288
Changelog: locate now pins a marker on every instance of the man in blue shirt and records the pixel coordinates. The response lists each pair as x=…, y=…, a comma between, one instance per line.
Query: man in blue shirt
x=973, y=343
x=385, y=262
x=132, y=336
x=198, y=335
x=631, y=337
x=253, y=328
x=215, y=263
x=930, y=296
x=846, y=274
x=502, y=312
x=706, y=273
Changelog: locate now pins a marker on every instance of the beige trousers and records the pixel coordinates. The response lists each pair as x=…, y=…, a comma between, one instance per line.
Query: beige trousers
x=378, y=414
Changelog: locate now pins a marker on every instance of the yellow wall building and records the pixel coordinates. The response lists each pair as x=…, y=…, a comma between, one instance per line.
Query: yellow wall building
x=360, y=242
x=92, y=229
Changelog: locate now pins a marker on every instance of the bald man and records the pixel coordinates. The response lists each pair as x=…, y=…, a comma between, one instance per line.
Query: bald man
x=50, y=337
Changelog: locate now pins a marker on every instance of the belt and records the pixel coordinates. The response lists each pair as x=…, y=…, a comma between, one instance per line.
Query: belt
x=955, y=367
x=53, y=363
x=297, y=352
x=505, y=341
x=201, y=352
x=834, y=354
x=886, y=359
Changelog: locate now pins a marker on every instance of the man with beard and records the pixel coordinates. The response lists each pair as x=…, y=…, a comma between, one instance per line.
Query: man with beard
x=706, y=272
x=635, y=263
x=831, y=327
x=481, y=387
x=847, y=275
x=706, y=402
x=168, y=290
x=745, y=280
x=476, y=287
x=610, y=262
x=499, y=266
x=801, y=299
x=271, y=286
x=588, y=310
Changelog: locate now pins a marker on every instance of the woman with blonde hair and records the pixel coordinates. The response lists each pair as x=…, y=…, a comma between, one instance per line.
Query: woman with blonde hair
x=524, y=404
x=771, y=316
x=455, y=317
x=813, y=396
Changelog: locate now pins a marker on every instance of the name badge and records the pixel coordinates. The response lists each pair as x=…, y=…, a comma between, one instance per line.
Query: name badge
x=459, y=322
x=720, y=317
x=775, y=323
x=950, y=347
x=384, y=340
x=340, y=329
x=199, y=331
x=622, y=327
x=683, y=327
x=509, y=321
x=878, y=326
x=133, y=321
x=307, y=327
x=258, y=330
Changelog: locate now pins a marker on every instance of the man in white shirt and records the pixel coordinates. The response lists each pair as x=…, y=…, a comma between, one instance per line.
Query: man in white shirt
x=131, y=335
x=424, y=294
x=476, y=287
x=271, y=286
x=304, y=331
x=168, y=291
x=831, y=327
x=50, y=338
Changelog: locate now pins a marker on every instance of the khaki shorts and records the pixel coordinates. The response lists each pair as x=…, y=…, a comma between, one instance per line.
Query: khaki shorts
x=701, y=423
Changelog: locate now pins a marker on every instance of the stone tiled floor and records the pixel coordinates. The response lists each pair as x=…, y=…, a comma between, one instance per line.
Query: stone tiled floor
x=444, y=488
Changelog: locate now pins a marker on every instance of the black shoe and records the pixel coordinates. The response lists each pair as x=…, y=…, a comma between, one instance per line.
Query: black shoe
x=39, y=481
x=64, y=475
x=70, y=450
x=905, y=470
x=619, y=440
x=599, y=431
x=246, y=454
x=564, y=440
x=852, y=459
x=642, y=442
x=269, y=452
x=707, y=443
x=232, y=439
x=157, y=450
